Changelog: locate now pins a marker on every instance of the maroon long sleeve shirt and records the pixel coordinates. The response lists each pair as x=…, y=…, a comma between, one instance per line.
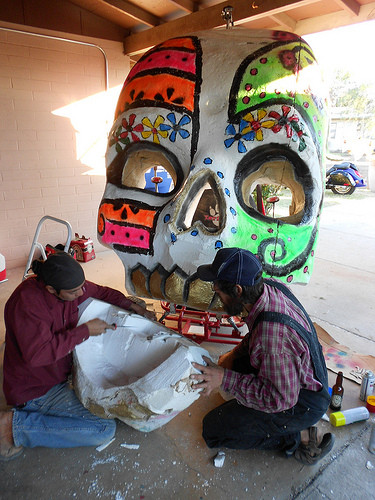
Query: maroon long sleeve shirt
x=41, y=333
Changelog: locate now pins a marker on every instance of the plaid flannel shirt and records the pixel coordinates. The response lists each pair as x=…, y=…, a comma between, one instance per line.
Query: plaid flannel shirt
x=280, y=358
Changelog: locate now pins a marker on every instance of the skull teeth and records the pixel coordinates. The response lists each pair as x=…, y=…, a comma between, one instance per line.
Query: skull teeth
x=174, y=286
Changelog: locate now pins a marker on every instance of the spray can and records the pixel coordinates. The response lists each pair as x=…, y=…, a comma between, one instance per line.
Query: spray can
x=339, y=418
x=367, y=386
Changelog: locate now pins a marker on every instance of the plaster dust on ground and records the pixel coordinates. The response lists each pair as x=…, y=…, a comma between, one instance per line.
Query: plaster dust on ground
x=173, y=462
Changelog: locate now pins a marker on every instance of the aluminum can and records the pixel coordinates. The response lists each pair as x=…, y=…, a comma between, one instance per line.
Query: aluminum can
x=367, y=386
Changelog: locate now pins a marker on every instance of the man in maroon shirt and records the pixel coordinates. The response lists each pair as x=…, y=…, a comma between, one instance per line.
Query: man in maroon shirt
x=41, y=332
x=276, y=376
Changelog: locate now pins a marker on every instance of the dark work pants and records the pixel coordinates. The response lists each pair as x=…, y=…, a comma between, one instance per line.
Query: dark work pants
x=233, y=425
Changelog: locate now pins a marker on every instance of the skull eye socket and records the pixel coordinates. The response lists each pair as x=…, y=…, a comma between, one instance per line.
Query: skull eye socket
x=146, y=167
x=279, y=171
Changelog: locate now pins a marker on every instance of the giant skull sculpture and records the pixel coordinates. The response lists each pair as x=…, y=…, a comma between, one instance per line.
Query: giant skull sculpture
x=208, y=117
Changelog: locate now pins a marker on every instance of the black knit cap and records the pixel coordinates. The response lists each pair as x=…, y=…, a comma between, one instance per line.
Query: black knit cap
x=60, y=271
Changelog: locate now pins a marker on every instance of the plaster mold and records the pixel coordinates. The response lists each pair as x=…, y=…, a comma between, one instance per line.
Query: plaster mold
x=138, y=373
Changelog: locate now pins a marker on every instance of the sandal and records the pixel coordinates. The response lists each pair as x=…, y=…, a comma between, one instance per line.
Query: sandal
x=311, y=453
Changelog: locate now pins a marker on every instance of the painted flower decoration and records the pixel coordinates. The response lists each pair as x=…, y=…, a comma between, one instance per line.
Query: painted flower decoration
x=283, y=120
x=124, y=131
x=130, y=128
x=155, y=129
x=115, y=138
x=298, y=135
x=289, y=61
x=176, y=127
x=239, y=136
x=256, y=124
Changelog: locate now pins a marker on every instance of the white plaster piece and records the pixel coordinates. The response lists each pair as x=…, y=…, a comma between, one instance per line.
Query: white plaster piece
x=139, y=373
x=219, y=459
x=104, y=445
x=130, y=446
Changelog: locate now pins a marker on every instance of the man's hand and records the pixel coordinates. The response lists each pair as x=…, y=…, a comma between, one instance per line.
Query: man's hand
x=210, y=378
x=98, y=326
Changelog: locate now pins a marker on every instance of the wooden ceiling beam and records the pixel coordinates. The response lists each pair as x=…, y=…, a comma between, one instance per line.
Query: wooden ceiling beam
x=284, y=21
x=131, y=10
x=209, y=18
x=350, y=6
x=186, y=5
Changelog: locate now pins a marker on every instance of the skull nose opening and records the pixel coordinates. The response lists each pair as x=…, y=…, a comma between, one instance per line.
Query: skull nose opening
x=203, y=207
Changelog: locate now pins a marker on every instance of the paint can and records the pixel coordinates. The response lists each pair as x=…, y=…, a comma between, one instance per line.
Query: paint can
x=367, y=386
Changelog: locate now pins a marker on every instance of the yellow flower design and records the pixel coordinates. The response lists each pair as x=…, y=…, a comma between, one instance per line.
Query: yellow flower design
x=256, y=124
x=154, y=129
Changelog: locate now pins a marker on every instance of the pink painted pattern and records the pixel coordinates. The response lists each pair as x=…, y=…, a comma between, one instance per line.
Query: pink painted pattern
x=171, y=59
x=125, y=235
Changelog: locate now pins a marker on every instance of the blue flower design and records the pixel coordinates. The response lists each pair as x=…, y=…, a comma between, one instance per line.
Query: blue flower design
x=239, y=136
x=176, y=127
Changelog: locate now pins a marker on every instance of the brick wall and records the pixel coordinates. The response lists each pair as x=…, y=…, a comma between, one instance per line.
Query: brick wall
x=54, y=117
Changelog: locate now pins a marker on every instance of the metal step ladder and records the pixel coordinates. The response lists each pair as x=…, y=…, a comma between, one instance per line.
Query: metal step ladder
x=35, y=244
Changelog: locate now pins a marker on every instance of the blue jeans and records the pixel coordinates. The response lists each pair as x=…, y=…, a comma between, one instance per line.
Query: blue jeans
x=59, y=420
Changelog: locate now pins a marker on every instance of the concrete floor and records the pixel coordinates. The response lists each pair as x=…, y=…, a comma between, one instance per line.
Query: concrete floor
x=173, y=461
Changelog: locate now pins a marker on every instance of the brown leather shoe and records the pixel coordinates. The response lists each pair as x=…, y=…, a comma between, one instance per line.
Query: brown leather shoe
x=7, y=449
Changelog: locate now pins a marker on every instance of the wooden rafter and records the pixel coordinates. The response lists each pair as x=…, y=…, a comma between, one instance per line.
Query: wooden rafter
x=209, y=18
x=350, y=6
x=285, y=21
x=186, y=5
x=131, y=10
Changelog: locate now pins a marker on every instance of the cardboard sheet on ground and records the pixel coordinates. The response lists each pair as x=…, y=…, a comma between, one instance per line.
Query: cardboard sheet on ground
x=340, y=358
x=138, y=373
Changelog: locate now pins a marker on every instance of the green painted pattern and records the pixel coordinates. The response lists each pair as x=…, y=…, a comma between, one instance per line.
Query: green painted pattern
x=251, y=233
x=277, y=82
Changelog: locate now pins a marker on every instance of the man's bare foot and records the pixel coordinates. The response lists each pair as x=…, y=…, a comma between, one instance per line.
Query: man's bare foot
x=305, y=436
x=7, y=449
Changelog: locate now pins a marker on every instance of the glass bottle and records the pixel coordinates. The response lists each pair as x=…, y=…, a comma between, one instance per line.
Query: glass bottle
x=337, y=393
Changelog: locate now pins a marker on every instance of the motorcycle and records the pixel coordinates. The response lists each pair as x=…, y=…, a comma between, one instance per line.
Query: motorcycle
x=344, y=178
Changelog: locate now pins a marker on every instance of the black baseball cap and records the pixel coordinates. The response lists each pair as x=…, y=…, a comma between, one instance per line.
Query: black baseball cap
x=235, y=265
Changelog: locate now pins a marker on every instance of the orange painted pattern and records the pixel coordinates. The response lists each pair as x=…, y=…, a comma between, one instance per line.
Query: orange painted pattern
x=150, y=85
x=127, y=213
x=186, y=43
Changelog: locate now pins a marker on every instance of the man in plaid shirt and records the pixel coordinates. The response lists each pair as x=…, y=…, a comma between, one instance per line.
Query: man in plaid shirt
x=276, y=376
